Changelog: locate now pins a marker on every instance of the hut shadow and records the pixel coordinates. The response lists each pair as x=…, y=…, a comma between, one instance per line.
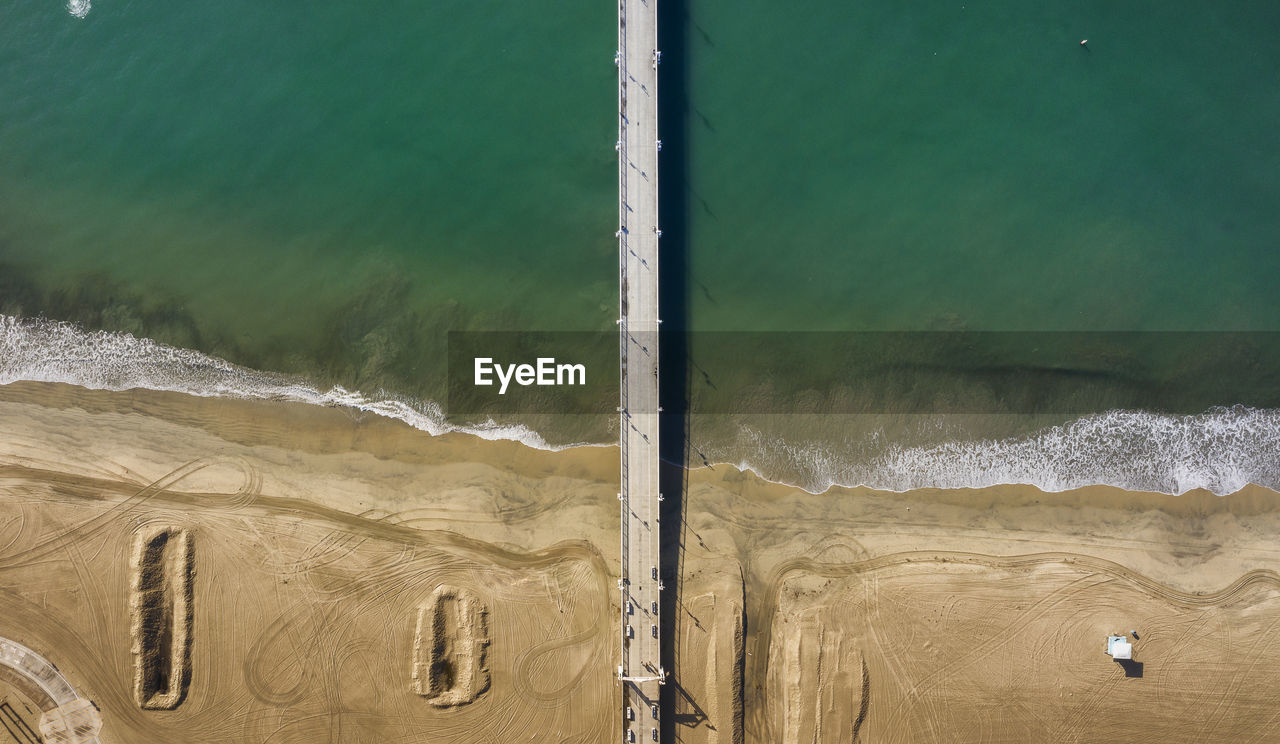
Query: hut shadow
x=1131, y=668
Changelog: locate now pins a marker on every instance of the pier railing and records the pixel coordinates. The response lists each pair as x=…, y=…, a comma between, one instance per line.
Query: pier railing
x=623, y=495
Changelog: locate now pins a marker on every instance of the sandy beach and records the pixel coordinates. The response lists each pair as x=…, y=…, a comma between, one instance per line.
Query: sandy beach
x=318, y=538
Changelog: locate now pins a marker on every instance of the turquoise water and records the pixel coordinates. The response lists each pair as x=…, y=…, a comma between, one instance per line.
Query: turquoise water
x=314, y=188
x=327, y=191
x=872, y=165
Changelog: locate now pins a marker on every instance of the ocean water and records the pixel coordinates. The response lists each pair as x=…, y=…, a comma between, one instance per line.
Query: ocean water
x=971, y=168
x=870, y=166
x=254, y=199
x=322, y=190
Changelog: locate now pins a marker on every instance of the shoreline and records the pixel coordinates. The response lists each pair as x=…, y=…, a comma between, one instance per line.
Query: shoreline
x=1131, y=450
x=144, y=434
x=171, y=404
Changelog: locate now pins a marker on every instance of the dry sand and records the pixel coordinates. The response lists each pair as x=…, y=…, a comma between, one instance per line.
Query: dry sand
x=318, y=538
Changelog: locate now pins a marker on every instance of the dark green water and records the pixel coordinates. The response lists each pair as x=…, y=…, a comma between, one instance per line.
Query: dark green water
x=312, y=188
x=326, y=190
x=880, y=165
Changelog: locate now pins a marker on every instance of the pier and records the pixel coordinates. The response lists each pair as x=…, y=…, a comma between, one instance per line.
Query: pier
x=640, y=669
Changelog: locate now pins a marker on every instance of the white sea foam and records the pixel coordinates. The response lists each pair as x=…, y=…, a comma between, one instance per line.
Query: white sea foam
x=78, y=8
x=1221, y=450
x=47, y=351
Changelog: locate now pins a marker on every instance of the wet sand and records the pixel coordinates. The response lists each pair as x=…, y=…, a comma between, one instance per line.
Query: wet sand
x=312, y=526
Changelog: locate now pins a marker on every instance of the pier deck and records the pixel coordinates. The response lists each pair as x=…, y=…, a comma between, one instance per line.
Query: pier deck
x=641, y=670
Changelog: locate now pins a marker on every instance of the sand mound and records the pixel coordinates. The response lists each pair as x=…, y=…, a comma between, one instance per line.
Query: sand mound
x=819, y=674
x=709, y=662
x=450, y=647
x=161, y=611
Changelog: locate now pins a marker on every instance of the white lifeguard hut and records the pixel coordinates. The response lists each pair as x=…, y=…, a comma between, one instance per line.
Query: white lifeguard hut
x=1119, y=648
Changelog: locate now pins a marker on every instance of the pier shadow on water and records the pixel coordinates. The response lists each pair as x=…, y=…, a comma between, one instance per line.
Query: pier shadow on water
x=673, y=204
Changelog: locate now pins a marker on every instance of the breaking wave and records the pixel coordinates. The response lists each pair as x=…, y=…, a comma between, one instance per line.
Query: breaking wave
x=1221, y=450
x=40, y=350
